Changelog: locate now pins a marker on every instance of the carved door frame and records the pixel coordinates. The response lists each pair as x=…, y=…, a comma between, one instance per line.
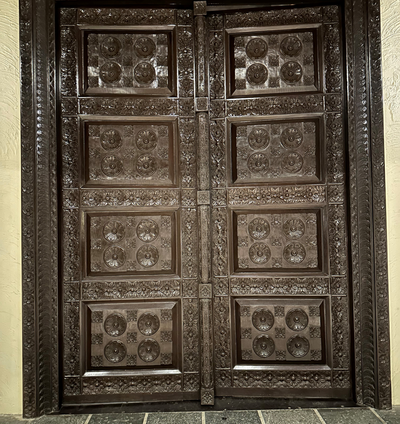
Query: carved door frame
x=366, y=184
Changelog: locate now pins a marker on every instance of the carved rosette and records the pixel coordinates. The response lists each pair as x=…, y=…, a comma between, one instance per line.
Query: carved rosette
x=298, y=346
x=111, y=166
x=148, y=324
x=110, y=47
x=147, y=256
x=145, y=47
x=258, y=138
x=114, y=257
x=262, y=319
x=144, y=73
x=114, y=231
x=111, y=139
x=110, y=72
x=294, y=253
x=291, y=138
x=291, y=46
x=146, y=165
x=259, y=228
x=257, y=74
x=115, y=325
x=115, y=351
x=259, y=253
x=263, y=346
x=294, y=228
x=296, y=319
x=256, y=48
x=149, y=350
x=146, y=140
x=147, y=230
x=291, y=72
x=292, y=162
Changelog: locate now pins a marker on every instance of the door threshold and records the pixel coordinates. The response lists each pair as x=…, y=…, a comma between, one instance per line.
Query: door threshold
x=228, y=403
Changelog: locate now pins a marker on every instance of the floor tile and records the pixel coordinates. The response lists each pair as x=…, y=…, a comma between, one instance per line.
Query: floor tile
x=119, y=418
x=174, y=418
x=62, y=419
x=392, y=416
x=293, y=416
x=233, y=417
x=11, y=419
x=349, y=416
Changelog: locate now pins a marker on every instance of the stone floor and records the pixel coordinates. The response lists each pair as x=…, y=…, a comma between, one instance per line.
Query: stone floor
x=277, y=416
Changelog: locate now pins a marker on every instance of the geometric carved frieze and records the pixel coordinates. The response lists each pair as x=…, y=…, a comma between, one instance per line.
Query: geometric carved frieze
x=131, y=243
x=273, y=62
x=275, y=151
x=130, y=153
x=139, y=63
x=132, y=335
x=280, y=330
x=277, y=241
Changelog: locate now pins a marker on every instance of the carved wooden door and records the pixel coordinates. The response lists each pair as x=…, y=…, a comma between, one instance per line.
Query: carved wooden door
x=280, y=268
x=203, y=221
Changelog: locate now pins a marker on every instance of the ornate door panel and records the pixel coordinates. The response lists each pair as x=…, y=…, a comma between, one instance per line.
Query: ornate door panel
x=129, y=207
x=279, y=260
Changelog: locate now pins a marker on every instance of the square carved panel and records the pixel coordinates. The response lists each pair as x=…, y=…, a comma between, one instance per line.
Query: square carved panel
x=278, y=241
x=279, y=61
x=130, y=153
x=276, y=151
x=129, y=62
x=280, y=330
x=142, y=243
x=137, y=335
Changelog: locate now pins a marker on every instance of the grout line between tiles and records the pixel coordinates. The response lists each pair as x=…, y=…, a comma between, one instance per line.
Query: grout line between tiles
x=319, y=416
x=377, y=415
x=145, y=418
x=203, y=418
x=260, y=415
x=88, y=419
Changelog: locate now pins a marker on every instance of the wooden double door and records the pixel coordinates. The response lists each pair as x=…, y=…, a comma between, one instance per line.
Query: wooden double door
x=203, y=212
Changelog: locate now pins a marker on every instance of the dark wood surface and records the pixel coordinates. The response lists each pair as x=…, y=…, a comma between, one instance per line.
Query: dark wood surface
x=97, y=201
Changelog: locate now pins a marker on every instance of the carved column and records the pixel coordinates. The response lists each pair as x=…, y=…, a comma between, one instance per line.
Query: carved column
x=203, y=200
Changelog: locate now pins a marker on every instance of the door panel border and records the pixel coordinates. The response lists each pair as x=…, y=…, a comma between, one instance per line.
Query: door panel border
x=40, y=194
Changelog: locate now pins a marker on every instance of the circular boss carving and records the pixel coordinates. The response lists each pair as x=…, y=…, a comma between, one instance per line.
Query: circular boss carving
x=291, y=72
x=256, y=48
x=298, y=346
x=110, y=139
x=113, y=231
x=258, y=138
x=291, y=46
x=114, y=257
x=294, y=228
x=262, y=319
x=294, y=253
x=110, y=72
x=259, y=229
x=145, y=47
x=147, y=256
x=148, y=324
x=111, y=166
x=291, y=138
x=263, y=346
x=115, y=351
x=146, y=165
x=146, y=140
x=148, y=350
x=115, y=325
x=296, y=319
x=258, y=163
x=257, y=74
x=147, y=230
x=259, y=253
x=110, y=47
x=292, y=162
x=144, y=73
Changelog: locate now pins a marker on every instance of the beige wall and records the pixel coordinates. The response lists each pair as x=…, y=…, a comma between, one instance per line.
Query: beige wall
x=10, y=258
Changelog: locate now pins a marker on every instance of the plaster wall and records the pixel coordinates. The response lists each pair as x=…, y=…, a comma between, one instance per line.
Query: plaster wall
x=10, y=199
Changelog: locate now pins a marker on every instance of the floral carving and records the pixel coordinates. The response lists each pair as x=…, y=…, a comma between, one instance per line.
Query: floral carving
x=115, y=351
x=257, y=74
x=148, y=350
x=148, y=323
x=145, y=47
x=111, y=166
x=259, y=228
x=256, y=48
x=298, y=346
x=114, y=257
x=263, y=346
x=259, y=253
x=110, y=139
x=258, y=138
x=114, y=231
x=146, y=165
x=294, y=228
x=262, y=319
x=144, y=73
x=296, y=319
x=146, y=140
x=291, y=72
x=115, y=324
x=291, y=138
x=258, y=163
x=292, y=162
x=110, y=72
x=110, y=47
x=291, y=46
x=294, y=253
x=147, y=230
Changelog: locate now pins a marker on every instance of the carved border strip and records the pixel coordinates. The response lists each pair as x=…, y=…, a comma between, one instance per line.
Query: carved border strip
x=39, y=217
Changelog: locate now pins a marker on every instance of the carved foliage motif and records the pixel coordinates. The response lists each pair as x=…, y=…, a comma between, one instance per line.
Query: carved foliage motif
x=191, y=333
